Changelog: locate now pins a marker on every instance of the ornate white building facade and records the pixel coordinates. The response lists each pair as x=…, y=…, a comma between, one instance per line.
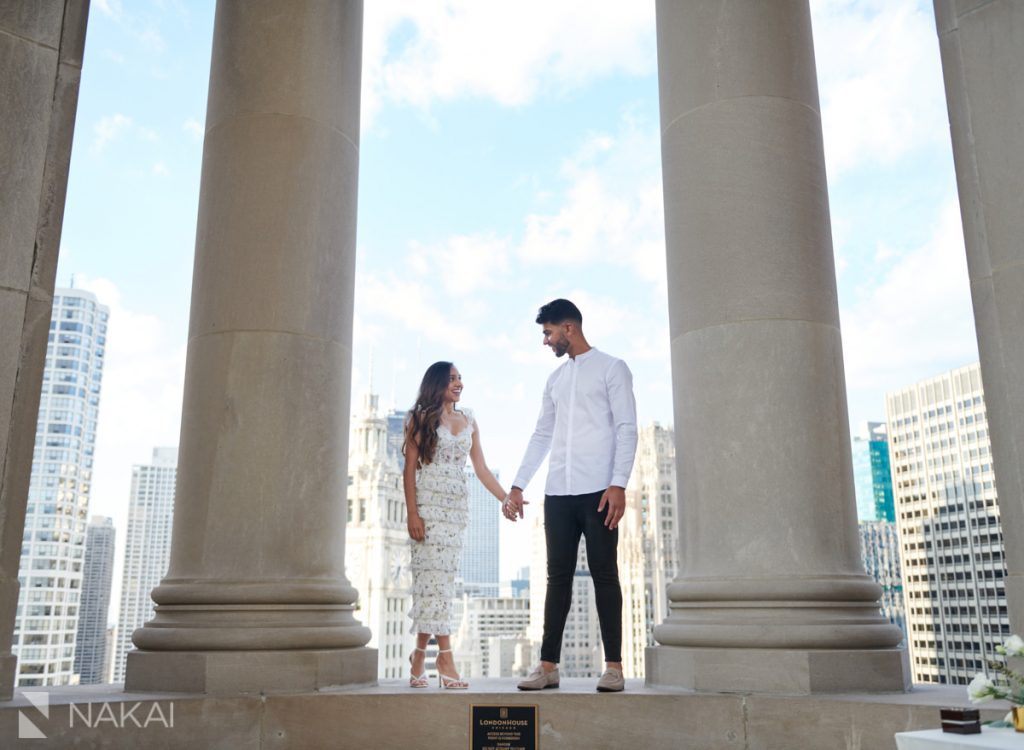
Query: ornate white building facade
x=377, y=540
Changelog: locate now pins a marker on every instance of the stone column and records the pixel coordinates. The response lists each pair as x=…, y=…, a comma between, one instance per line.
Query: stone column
x=772, y=595
x=41, y=46
x=256, y=597
x=982, y=47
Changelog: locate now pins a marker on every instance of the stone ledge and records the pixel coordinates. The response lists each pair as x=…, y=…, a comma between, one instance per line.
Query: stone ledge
x=782, y=671
x=239, y=672
x=393, y=716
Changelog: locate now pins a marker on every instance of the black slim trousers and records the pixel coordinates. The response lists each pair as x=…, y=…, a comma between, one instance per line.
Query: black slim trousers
x=566, y=518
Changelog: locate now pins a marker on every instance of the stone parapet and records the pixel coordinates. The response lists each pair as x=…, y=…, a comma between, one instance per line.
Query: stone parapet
x=393, y=716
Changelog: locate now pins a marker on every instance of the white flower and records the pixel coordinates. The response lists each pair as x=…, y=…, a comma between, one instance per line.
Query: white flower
x=981, y=689
x=1014, y=646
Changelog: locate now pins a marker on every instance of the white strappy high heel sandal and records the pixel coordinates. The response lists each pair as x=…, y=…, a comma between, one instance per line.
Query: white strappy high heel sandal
x=450, y=683
x=418, y=680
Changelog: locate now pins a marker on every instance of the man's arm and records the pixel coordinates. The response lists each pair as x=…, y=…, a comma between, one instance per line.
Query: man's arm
x=623, y=408
x=536, y=450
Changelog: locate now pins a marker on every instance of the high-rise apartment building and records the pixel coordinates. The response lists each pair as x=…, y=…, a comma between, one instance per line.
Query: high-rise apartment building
x=98, y=571
x=53, y=550
x=479, y=568
x=951, y=546
x=377, y=540
x=147, y=549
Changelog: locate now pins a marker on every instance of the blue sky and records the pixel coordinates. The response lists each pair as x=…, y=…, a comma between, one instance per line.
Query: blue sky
x=509, y=155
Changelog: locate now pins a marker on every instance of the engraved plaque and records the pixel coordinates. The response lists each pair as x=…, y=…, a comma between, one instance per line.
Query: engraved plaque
x=495, y=727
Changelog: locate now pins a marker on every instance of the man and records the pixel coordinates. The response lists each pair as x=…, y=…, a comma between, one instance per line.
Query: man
x=588, y=423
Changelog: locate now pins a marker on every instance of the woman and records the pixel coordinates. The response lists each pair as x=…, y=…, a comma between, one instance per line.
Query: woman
x=438, y=437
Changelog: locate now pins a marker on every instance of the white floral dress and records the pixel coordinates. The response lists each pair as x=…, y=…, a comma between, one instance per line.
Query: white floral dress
x=442, y=500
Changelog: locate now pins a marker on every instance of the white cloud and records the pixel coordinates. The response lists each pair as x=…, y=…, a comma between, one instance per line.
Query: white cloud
x=464, y=264
x=111, y=8
x=108, y=129
x=160, y=169
x=914, y=322
x=880, y=78
x=144, y=31
x=113, y=56
x=194, y=128
x=416, y=52
x=152, y=39
x=612, y=210
x=411, y=307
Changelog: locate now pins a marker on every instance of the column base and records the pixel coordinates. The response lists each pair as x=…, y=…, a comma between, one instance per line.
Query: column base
x=234, y=672
x=8, y=665
x=790, y=671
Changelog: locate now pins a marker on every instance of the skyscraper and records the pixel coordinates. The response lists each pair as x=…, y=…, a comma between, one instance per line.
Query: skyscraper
x=53, y=551
x=377, y=540
x=880, y=553
x=91, y=641
x=396, y=435
x=881, y=473
x=872, y=477
x=479, y=568
x=863, y=484
x=147, y=550
x=951, y=546
x=652, y=493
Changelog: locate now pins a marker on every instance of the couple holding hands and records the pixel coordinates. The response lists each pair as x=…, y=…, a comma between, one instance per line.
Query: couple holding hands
x=588, y=425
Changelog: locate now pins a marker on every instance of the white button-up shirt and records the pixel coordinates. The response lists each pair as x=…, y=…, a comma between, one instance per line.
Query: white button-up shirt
x=588, y=422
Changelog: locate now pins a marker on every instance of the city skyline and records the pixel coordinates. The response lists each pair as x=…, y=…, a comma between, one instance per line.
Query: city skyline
x=487, y=189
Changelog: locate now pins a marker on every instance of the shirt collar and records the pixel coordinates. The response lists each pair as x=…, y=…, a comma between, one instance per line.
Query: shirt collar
x=584, y=356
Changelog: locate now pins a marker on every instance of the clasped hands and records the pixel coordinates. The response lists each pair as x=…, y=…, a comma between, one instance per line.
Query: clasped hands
x=513, y=504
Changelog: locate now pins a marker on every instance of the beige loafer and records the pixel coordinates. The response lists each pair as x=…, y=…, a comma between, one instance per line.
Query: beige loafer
x=539, y=679
x=611, y=681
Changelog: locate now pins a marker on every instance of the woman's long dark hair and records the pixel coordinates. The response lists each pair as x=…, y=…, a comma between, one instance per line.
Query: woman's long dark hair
x=425, y=415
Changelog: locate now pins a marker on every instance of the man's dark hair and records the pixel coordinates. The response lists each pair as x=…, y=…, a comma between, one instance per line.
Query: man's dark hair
x=558, y=311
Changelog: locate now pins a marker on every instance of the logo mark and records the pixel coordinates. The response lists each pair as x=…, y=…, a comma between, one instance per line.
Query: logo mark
x=502, y=713
x=27, y=730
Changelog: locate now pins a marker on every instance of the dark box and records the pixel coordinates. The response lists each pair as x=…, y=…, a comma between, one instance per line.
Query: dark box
x=961, y=720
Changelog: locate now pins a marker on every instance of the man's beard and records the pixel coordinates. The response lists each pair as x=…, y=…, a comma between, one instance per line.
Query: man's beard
x=560, y=348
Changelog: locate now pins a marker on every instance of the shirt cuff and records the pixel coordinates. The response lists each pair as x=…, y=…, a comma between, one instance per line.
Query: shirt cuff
x=618, y=481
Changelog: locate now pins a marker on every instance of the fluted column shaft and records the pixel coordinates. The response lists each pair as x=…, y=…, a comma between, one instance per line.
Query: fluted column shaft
x=770, y=549
x=257, y=559
x=982, y=48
